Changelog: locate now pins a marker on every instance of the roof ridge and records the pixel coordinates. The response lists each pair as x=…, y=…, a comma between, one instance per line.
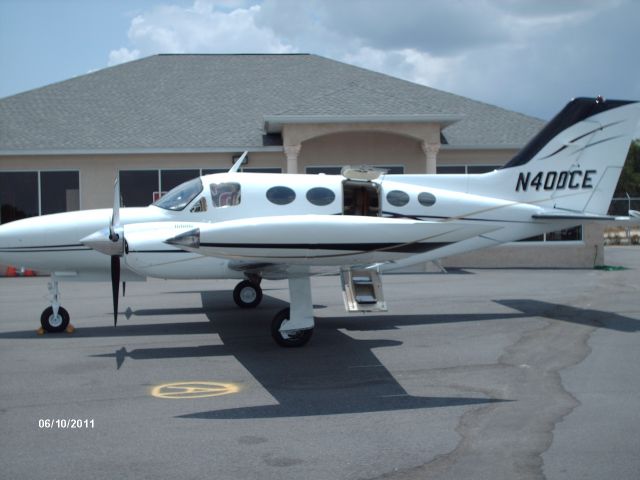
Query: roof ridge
x=436, y=90
x=239, y=54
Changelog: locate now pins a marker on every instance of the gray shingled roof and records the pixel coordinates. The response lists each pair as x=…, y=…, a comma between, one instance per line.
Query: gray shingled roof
x=218, y=102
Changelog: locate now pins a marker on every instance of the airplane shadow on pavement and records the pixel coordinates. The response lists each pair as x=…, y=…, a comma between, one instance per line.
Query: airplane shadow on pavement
x=339, y=375
x=335, y=373
x=568, y=313
x=343, y=375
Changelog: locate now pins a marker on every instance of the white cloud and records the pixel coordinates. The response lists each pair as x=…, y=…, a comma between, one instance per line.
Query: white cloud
x=408, y=63
x=205, y=27
x=122, y=55
x=527, y=56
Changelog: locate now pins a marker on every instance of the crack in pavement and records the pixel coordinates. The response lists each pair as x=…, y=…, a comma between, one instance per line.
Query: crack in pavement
x=507, y=440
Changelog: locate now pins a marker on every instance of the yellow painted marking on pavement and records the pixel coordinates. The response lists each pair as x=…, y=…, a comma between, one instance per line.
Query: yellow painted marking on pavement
x=181, y=390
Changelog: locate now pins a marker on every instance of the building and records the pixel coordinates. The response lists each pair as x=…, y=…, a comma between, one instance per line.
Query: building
x=161, y=120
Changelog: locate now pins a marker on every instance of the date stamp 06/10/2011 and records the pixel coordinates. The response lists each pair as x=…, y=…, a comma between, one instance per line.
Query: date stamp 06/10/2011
x=66, y=423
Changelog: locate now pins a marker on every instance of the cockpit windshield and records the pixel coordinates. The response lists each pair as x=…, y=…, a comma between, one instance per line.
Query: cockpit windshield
x=181, y=196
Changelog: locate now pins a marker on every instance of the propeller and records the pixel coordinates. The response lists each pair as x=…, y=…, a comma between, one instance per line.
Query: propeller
x=117, y=237
x=110, y=241
x=115, y=285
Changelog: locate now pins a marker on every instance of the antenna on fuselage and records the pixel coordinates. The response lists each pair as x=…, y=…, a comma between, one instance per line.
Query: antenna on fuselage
x=239, y=162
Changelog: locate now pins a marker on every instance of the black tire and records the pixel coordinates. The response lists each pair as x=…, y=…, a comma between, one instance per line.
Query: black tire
x=54, y=324
x=297, y=339
x=247, y=294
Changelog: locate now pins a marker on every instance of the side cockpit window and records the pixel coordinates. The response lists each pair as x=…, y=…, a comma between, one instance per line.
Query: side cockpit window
x=199, y=206
x=225, y=194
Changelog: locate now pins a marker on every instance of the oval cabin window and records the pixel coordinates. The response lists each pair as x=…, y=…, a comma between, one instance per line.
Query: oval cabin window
x=321, y=196
x=426, y=199
x=281, y=195
x=398, y=198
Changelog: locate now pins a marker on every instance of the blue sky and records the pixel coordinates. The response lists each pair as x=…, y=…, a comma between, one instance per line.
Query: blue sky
x=527, y=56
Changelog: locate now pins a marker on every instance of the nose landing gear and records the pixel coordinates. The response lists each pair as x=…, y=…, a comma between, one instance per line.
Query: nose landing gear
x=54, y=319
x=54, y=322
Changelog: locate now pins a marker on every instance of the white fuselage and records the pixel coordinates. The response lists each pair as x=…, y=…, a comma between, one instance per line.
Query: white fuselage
x=247, y=219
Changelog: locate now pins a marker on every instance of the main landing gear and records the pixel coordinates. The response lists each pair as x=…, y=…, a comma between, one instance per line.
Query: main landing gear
x=54, y=319
x=293, y=326
x=248, y=293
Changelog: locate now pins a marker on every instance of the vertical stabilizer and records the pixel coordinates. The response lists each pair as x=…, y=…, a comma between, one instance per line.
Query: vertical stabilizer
x=574, y=163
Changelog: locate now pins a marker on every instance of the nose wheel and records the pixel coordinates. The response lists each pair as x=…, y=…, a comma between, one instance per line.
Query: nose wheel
x=247, y=294
x=54, y=319
x=54, y=322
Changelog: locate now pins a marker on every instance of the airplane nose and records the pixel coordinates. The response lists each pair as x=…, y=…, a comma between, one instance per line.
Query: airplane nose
x=38, y=242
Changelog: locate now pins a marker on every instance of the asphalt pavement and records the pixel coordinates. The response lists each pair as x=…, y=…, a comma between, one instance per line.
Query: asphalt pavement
x=496, y=374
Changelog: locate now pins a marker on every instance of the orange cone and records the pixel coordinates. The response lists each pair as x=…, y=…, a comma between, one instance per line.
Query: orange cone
x=11, y=272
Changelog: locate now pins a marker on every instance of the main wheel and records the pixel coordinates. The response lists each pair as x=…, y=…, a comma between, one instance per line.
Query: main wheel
x=54, y=323
x=247, y=294
x=296, y=338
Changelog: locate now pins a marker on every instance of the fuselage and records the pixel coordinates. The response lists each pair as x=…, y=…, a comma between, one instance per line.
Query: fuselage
x=326, y=220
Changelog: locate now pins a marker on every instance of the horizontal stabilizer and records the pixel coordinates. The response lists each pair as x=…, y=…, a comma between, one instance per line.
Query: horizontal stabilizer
x=634, y=217
x=572, y=216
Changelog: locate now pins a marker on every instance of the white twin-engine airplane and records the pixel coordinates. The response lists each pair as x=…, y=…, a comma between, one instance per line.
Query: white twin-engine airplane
x=252, y=226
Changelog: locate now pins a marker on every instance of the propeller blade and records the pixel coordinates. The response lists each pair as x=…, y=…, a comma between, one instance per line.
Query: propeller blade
x=115, y=216
x=115, y=285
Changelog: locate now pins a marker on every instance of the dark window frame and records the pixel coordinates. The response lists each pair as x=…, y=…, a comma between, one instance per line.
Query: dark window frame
x=38, y=194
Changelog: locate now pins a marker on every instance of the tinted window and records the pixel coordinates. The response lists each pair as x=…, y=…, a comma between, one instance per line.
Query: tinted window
x=449, y=169
x=326, y=170
x=321, y=196
x=568, y=234
x=199, y=206
x=170, y=179
x=426, y=199
x=137, y=187
x=263, y=170
x=59, y=191
x=281, y=195
x=225, y=194
x=398, y=198
x=481, y=168
x=18, y=195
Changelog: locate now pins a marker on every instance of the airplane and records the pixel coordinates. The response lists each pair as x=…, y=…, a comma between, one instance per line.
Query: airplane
x=359, y=224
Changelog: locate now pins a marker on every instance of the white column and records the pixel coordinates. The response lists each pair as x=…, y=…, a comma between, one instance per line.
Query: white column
x=431, y=152
x=292, y=152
